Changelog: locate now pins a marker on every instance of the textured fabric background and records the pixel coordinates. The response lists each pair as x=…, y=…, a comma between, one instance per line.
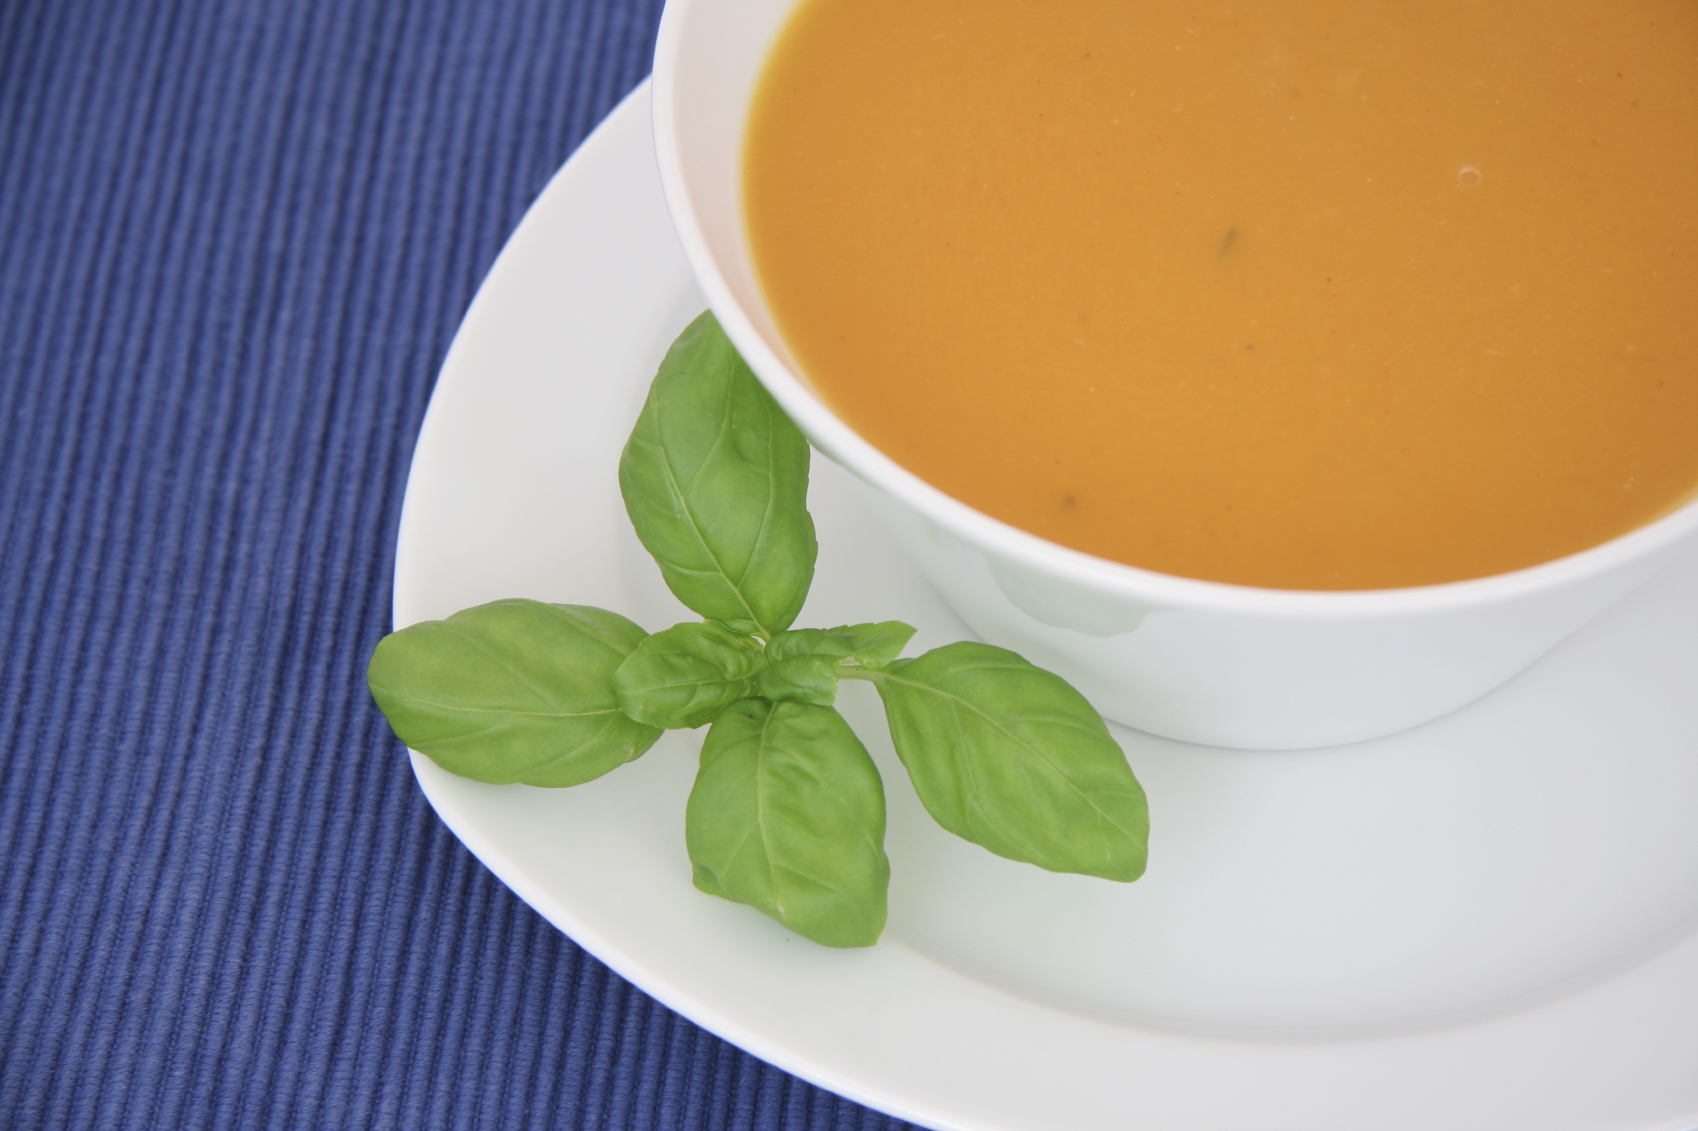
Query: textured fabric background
x=236, y=237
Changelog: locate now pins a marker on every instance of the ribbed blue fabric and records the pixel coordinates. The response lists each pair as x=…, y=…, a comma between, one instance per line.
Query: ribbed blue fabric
x=236, y=237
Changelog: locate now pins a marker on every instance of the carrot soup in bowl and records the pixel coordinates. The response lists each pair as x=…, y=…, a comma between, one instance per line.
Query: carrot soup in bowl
x=1282, y=375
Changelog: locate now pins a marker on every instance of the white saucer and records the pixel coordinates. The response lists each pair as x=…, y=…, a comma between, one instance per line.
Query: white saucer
x=1485, y=923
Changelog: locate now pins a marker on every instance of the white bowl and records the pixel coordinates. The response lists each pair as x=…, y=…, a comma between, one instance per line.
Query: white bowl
x=1226, y=665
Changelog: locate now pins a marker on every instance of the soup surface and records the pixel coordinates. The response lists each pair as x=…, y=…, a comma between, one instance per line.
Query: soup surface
x=1339, y=294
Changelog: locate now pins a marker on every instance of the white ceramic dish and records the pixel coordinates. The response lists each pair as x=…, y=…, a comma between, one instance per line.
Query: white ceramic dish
x=1227, y=665
x=1483, y=923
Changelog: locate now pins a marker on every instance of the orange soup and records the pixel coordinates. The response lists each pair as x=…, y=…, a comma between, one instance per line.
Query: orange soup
x=1329, y=294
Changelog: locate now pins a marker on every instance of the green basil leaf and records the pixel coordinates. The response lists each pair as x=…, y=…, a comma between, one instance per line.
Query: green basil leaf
x=686, y=675
x=799, y=679
x=1011, y=757
x=787, y=815
x=715, y=479
x=512, y=691
x=871, y=645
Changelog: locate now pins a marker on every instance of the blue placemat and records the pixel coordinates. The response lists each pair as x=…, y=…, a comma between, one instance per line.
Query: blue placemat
x=236, y=237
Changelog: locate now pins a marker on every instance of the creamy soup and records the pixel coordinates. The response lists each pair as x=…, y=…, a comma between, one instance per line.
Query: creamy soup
x=1327, y=294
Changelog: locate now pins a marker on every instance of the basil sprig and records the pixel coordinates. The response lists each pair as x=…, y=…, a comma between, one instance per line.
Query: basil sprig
x=787, y=812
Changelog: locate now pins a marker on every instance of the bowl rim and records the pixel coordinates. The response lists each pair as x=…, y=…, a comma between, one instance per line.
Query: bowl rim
x=1023, y=548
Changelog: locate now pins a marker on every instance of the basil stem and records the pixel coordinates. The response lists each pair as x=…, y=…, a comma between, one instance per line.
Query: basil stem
x=870, y=645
